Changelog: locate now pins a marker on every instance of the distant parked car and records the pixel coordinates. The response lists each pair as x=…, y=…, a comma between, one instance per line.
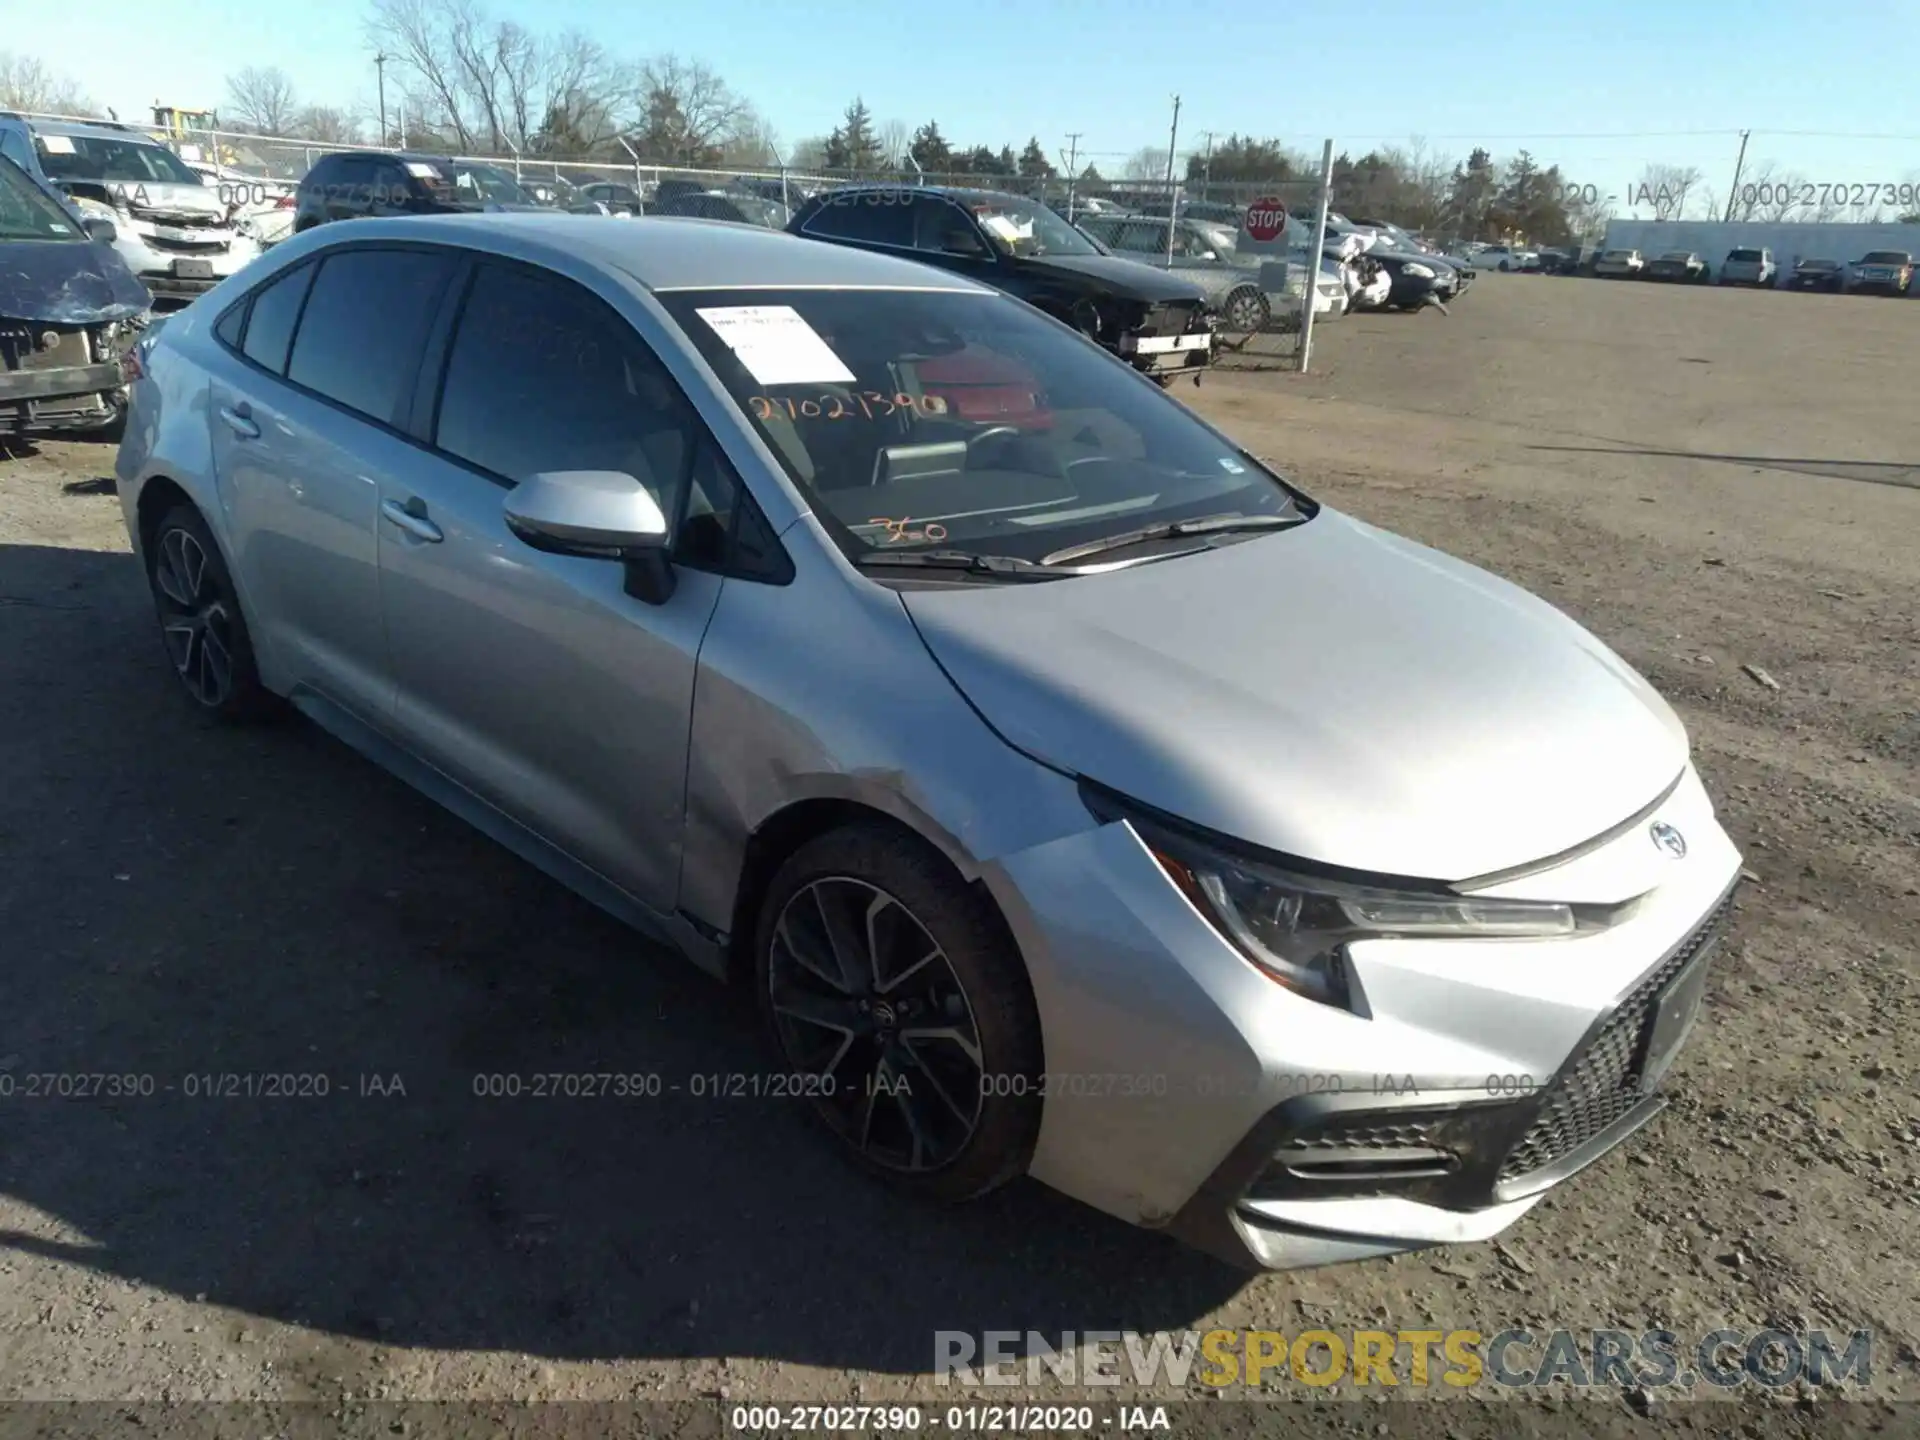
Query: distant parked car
x=1681, y=265
x=1828, y=275
x=1232, y=288
x=1748, y=266
x=355, y=184
x=1883, y=272
x=622, y=200
x=1495, y=257
x=1619, y=264
x=735, y=206
x=1159, y=323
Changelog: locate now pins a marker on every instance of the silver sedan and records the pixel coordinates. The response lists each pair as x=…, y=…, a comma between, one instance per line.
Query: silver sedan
x=1078, y=797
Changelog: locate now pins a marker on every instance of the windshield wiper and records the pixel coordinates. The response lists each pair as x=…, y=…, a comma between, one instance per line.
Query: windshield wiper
x=1205, y=525
x=1008, y=566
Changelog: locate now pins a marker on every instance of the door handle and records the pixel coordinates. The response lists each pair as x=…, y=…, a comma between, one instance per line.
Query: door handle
x=416, y=525
x=240, y=421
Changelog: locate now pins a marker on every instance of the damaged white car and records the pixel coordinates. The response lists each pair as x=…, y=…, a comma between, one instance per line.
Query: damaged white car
x=172, y=228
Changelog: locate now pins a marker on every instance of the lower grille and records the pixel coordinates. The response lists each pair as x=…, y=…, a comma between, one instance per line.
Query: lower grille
x=1604, y=1083
x=188, y=247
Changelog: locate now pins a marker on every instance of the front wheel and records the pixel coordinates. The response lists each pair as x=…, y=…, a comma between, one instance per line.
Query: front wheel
x=1247, y=309
x=894, y=995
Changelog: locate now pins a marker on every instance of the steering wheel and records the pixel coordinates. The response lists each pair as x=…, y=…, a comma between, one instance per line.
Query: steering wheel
x=989, y=435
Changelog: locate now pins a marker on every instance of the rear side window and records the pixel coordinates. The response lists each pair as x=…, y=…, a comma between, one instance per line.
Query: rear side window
x=873, y=217
x=275, y=309
x=361, y=332
x=542, y=375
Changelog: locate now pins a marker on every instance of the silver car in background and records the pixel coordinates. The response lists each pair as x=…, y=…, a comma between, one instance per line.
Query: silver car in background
x=1078, y=797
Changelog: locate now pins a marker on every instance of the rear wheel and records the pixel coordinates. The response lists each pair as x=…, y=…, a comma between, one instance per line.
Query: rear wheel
x=892, y=992
x=200, y=621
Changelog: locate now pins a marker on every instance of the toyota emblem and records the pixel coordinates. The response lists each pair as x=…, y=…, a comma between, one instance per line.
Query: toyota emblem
x=1669, y=839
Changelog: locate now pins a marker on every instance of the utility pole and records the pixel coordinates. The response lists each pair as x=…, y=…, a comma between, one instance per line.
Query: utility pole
x=1173, y=139
x=1073, y=170
x=1206, y=169
x=380, y=69
x=1739, y=164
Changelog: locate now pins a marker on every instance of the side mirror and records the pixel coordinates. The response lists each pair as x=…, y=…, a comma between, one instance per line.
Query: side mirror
x=102, y=230
x=599, y=514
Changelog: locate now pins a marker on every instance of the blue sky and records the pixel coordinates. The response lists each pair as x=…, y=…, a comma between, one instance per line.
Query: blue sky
x=1600, y=89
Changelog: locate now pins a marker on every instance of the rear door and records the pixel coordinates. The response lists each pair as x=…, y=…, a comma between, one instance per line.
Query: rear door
x=533, y=679
x=303, y=406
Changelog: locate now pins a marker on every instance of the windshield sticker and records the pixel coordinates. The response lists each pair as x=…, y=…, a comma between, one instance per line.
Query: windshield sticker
x=56, y=144
x=777, y=345
x=420, y=170
x=869, y=404
x=897, y=532
x=1003, y=227
x=60, y=229
x=1232, y=466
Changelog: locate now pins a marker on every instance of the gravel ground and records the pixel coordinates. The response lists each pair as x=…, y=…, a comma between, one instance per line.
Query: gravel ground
x=1722, y=485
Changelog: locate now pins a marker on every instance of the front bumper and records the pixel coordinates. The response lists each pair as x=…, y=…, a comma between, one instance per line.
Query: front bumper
x=1161, y=354
x=1280, y=1132
x=178, y=263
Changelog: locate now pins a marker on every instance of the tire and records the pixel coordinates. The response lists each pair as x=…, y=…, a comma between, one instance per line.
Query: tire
x=1247, y=309
x=194, y=596
x=974, y=983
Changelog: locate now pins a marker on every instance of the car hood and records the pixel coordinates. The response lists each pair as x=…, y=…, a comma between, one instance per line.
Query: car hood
x=1333, y=693
x=67, y=282
x=1134, y=278
x=156, y=199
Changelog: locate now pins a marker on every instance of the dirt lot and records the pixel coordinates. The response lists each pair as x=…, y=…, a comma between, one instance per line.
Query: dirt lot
x=1724, y=486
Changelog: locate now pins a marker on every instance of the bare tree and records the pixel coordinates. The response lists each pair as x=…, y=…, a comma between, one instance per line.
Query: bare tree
x=894, y=137
x=686, y=111
x=27, y=84
x=1663, y=189
x=753, y=144
x=1149, y=162
x=1425, y=178
x=498, y=85
x=809, y=154
x=326, y=125
x=260, y=100
x=1703, y=203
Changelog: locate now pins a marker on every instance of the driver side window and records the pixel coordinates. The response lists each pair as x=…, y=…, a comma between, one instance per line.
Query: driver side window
x=944, y=228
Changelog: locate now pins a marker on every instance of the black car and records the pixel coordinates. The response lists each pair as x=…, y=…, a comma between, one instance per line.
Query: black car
x=1828, y=275
x=351, y=184
x=1155, y=321
x=69, y=308
x=1886, y=272
x=1418, y=279
x=737, y=207
x=1683, y=266
x=617, y=199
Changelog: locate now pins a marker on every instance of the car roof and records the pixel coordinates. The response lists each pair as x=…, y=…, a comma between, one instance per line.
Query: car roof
x=667, y=252
x=957, y=192
x=87, y=131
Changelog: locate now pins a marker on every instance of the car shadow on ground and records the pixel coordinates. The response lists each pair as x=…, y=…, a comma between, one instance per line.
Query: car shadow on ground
x=197, y=910
x=1873, y=472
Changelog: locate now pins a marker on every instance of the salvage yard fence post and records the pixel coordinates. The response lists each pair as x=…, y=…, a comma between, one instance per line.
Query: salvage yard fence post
x=1313, y=257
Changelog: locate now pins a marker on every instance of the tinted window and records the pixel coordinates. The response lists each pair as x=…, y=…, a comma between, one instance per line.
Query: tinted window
x=544, y=376
x=875, y=216
x=275, y=309
x=1744, y=255
x=361, y=332
x=231, y=325
x=943, y=227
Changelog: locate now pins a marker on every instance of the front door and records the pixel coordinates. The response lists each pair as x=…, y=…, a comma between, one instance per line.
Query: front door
x=534, y=680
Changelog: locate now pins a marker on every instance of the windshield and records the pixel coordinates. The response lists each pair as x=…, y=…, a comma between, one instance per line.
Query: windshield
x=490, y=184
x=1026, y=227
x=917, y=420
x=1819, y=264
x=1885, y=257
x=1682, y=255
x=27, y=212
x=93, y=157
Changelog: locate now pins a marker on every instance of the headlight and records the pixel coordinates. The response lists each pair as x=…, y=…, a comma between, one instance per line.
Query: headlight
x=1295, y=928
x=87, y=205
x=1419, y=271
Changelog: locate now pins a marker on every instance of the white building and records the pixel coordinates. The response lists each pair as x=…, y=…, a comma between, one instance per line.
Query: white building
x=1789, y=241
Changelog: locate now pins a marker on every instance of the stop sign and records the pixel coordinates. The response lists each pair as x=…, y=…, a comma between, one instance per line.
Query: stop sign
x=1266, y=218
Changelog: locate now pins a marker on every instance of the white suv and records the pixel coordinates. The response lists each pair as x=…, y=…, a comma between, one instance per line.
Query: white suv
x=173, y=228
